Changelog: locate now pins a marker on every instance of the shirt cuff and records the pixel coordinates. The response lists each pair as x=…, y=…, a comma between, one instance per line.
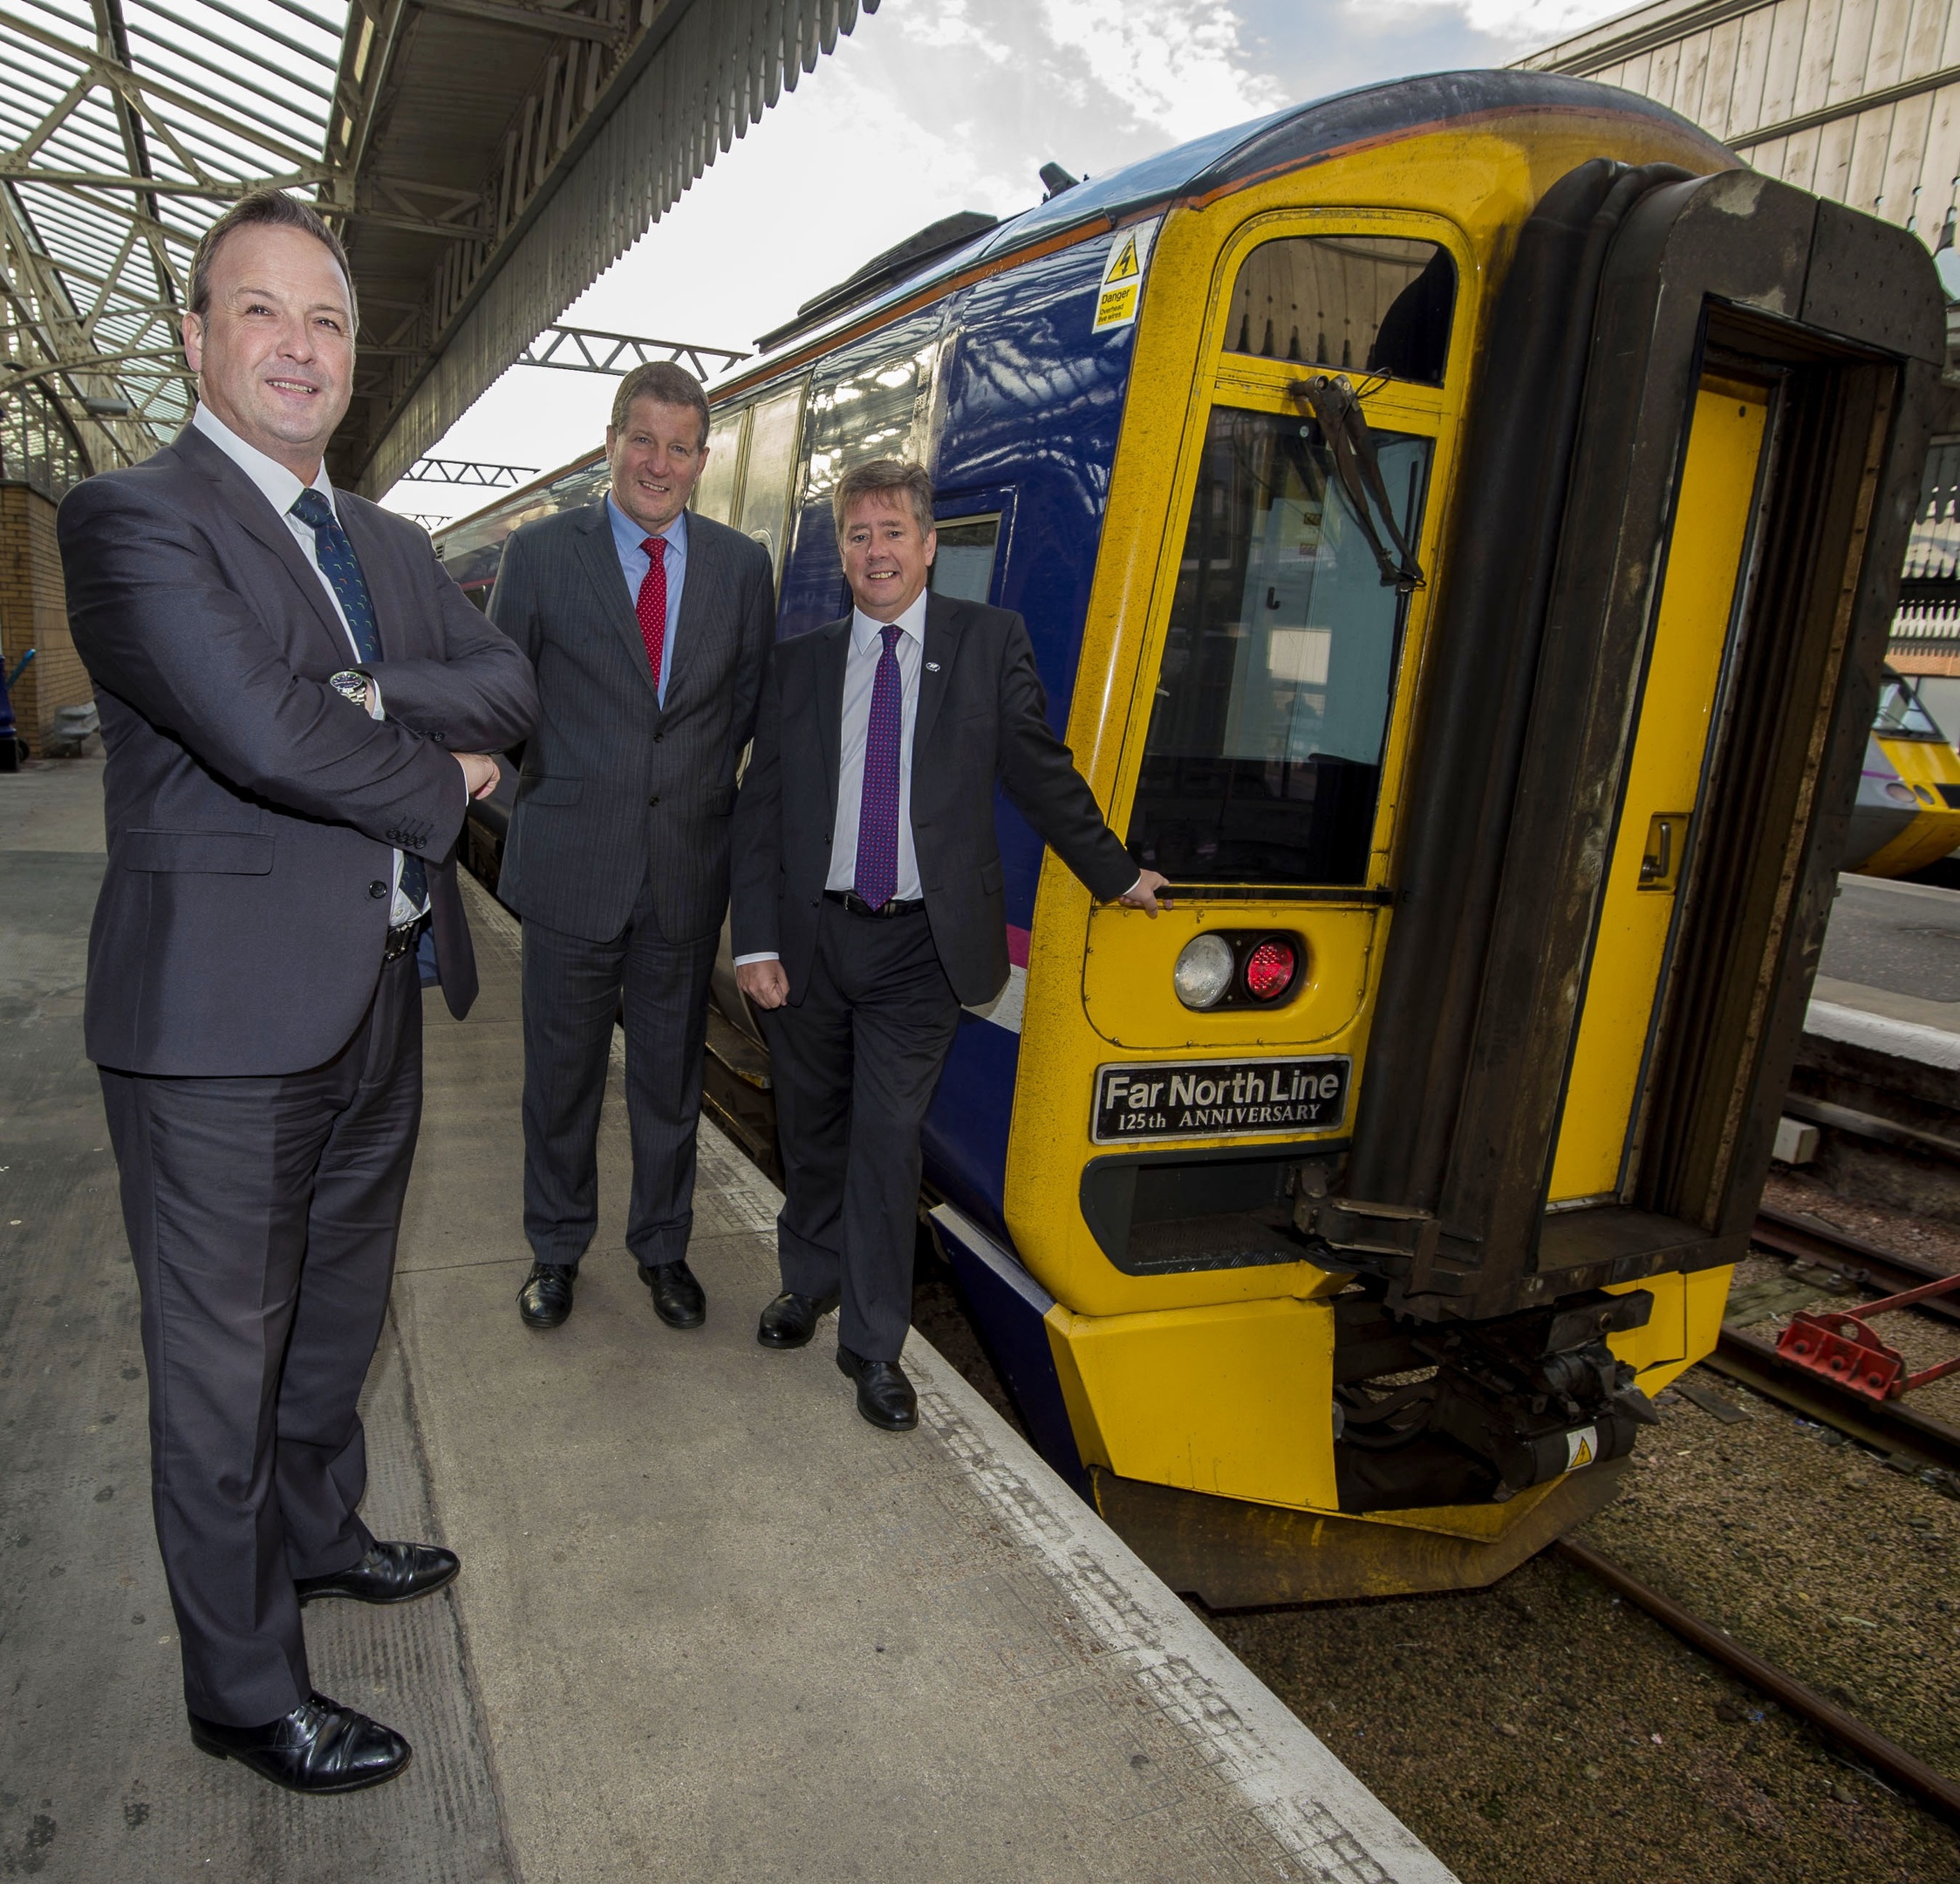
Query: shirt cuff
x=742, y=961
x=375, y=710
x=1132, y=890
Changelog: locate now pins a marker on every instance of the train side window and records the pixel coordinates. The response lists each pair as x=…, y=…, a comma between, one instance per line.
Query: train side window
x=772, y=458
x=1262, y=763
x=963, y=565
x=1374, y=303
x=875, y=403
x=714, y=494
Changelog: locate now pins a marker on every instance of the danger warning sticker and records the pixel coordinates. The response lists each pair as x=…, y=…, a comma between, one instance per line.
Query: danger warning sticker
x=1122, y=291
x=1581, y=1448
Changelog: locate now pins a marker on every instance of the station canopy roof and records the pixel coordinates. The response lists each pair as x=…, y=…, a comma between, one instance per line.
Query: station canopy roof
x=485, y=160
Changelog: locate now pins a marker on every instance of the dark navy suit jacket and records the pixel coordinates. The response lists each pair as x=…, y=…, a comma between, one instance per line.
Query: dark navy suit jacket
x=252, y=811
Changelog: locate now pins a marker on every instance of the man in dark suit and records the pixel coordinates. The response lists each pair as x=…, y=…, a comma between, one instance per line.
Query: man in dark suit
x=295, y=701
x=868, y=903
x=648, y=626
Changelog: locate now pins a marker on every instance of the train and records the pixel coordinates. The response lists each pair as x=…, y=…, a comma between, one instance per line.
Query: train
x=1457, y=522
x=1908, y=815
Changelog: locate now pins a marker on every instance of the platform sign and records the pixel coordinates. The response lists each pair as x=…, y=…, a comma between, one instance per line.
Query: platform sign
x=1122, y=292
x=1219, y=1098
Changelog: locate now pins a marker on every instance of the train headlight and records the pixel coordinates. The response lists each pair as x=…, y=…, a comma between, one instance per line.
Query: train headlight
x=1899, y=794
x=1270, y=968
x=1204, y=971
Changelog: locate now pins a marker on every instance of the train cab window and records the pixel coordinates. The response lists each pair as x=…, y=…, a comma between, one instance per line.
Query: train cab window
x=1263, y=758
x=1374, y=303
x=1899, y=714
x=773, y=430
x=963, y=565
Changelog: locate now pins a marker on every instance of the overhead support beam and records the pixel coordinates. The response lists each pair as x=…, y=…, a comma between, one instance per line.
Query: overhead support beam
x=468, y=471
x=587, y=350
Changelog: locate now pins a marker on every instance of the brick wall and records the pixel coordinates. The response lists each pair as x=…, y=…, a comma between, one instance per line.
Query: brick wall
x=33, y=614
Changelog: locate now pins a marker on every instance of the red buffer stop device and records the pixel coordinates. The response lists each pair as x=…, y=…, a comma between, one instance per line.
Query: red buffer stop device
x=1840, y=1346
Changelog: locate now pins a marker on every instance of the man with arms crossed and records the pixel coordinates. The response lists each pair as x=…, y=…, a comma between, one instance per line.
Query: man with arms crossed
x=868, y=902
x=294, y=699
x=648, y=626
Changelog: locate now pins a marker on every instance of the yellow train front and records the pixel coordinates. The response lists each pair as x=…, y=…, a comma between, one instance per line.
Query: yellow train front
x=1925, y=786
x=1457, y=523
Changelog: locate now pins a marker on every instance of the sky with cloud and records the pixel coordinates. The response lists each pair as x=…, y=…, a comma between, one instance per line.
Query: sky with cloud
x=934, y=106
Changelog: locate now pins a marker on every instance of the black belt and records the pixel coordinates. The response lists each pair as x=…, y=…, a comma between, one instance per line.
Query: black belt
x=403, y=936
x=858, y=907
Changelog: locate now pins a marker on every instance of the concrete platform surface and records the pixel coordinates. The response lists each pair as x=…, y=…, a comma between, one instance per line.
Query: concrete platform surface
x=710, y=1626
x=1892, y=950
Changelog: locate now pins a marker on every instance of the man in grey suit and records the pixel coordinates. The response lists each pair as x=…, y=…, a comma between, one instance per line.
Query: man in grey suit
x=868, y=902
x=648, y=626
x=295, y=701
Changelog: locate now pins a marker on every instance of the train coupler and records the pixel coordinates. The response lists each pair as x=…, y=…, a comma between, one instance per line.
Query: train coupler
x=1539, y=1394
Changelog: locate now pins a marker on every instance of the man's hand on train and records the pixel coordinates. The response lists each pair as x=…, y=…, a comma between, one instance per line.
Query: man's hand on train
x=764, y=982
x=1147, y=893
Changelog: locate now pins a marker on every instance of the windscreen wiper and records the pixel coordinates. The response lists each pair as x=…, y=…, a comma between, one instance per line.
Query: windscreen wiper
x=1331, y=402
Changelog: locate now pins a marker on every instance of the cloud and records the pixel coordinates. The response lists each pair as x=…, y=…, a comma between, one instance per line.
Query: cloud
x=934, y=106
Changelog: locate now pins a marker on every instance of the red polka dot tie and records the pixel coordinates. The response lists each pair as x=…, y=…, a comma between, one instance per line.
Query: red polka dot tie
x=877, y=875
x=652, y=607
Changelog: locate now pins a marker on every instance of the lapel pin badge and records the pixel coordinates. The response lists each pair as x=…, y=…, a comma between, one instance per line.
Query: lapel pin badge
x=931, y=666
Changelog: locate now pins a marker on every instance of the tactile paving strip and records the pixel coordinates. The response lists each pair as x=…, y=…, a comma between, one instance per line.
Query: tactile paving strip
x=99, y=1780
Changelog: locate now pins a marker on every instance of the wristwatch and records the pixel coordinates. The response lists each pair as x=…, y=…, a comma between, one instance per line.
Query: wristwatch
x=350, y=684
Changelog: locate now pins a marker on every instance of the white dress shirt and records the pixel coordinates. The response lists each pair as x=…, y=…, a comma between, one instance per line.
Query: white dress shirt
x=281, y=489
x=860, y=672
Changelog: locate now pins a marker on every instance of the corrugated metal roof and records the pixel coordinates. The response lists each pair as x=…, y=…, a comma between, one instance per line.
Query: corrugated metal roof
x=486, y=160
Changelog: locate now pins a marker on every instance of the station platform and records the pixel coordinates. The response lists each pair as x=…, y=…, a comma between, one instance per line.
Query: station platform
x=710, y=1625
x=1891, y=955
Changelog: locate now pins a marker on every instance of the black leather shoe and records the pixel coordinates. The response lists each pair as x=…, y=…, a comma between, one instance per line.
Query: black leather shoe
x=678, y=1298
x=545, y=1299
x=320, y=1747
x=790, y=1320
x=884, y=1396
x=389, y=1574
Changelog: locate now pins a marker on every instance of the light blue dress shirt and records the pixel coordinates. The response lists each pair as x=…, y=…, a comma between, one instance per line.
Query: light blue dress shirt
x=627, y=538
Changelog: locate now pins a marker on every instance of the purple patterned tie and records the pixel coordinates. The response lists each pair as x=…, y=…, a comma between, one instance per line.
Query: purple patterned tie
x=877, y=811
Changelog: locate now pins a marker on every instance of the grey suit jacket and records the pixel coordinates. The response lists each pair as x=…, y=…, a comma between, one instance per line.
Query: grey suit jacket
x=982, y=716
x=251, y=809
x=616, y=790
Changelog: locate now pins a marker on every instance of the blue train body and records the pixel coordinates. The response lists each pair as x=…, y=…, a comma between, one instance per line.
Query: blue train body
x=1030, y=404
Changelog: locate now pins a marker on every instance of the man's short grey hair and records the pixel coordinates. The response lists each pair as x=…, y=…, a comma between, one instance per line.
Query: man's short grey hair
x=664, y=383
x=885, y=477
x=264, y=208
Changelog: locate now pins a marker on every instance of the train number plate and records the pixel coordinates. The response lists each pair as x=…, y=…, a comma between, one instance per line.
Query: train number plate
x=1219, y=1098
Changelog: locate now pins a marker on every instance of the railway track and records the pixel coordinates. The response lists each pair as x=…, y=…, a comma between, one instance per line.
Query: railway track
x=1906, y=1435
x=1890, y=1426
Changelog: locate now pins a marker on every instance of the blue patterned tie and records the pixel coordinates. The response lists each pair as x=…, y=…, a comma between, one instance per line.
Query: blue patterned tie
x=342, y=568
x=876, y=878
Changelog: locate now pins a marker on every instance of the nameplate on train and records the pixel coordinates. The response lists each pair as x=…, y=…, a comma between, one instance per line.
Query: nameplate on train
x=1219, y=1098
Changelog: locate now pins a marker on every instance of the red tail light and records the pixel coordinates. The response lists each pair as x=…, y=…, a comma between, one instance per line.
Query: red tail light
x=1270, y=969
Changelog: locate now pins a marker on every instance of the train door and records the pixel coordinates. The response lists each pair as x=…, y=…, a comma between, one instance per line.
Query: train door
x=1697, y=624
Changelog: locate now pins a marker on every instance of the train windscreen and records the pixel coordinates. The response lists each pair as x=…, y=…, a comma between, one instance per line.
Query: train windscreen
x=1263, y=760
x=1378, y=303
